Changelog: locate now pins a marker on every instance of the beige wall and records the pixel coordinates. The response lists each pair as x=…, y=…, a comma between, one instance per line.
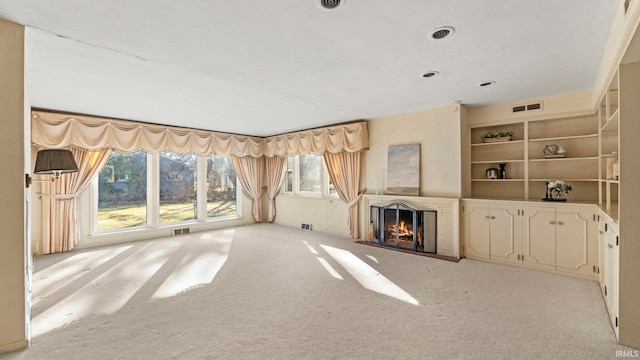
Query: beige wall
x=438, y=133
x=13, y=208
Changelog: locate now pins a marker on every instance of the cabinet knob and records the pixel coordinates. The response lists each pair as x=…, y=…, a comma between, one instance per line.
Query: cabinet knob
x=610, y=246
x=487, y=217
x=552, y=222
x=493, y=217
x=560, y=223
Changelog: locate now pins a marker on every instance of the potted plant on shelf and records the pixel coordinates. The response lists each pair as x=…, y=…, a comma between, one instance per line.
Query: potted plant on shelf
x=556, y=190
x=497, y=136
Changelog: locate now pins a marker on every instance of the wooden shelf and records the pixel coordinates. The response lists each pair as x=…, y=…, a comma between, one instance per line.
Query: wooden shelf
x=567, y=159
x=498, y=143
x=498, y=180
x=574, y=137
x=496, y=161
x=565, y=180
x=612, y=122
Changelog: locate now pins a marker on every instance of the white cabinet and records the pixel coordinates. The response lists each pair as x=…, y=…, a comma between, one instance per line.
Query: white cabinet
x=494, y=232
x=558, y=238
x=609, y=267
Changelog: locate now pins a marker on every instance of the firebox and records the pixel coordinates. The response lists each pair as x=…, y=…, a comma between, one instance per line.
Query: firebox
x=400, y=226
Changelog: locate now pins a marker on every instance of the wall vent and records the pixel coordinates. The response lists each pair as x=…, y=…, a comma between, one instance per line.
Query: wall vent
x=305, y=227
x=527, y=107
x=182, y=231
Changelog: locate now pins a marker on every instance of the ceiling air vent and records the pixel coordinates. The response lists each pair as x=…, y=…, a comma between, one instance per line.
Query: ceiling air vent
x=528, y=107
x=330, y=4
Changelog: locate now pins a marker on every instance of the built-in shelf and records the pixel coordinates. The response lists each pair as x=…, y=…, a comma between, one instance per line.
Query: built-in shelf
x=499, y=143
x=567, y=159
x=612, y=123
x=498, y=180
x=565, y=180
x=559, y=138
x=497, y=161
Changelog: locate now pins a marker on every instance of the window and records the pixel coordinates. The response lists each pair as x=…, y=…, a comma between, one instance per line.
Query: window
x=148, y=190
x=310, y=173
x=122, y=191
x=221, y=187
x=177, y=188
x=306, y=175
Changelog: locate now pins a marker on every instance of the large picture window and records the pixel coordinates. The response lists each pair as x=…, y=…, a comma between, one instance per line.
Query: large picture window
x=137, y=189
x=177, y=188
x=221, y=187
x=122, y=191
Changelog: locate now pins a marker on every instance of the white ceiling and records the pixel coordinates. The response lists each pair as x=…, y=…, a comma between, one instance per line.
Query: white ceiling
x=263, y=67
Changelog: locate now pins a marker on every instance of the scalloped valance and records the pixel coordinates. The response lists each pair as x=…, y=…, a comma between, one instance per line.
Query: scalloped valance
x=59, y=130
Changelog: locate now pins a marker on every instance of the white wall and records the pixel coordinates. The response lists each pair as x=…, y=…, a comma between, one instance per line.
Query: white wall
x=327, y=214
x=13, y=207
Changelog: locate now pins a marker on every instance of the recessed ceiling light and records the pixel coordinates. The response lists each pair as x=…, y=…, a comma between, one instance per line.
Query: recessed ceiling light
x=430, y=74
x=330, y=4
x=442, y=32
x=486, y=83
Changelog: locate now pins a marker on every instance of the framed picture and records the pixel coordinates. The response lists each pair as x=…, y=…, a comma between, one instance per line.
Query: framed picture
x=403, y=170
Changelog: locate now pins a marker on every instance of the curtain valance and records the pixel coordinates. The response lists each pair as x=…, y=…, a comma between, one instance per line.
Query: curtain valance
x=352, y=137
x=59, y=130
x=55, y=130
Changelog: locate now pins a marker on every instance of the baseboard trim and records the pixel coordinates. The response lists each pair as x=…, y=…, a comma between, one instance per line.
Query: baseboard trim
x=13, y=346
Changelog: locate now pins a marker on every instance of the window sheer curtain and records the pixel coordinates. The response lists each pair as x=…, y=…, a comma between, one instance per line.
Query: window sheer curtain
x=60, y=203
x=250, y=172
x=344, y=170
x=275, y=174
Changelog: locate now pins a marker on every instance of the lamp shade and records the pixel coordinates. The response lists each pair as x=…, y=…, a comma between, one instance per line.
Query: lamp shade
x=55, y=161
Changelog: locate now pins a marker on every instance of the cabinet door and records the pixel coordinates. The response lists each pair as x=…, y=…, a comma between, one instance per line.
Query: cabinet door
x=505, y=239
x=477, y=231
x=539, y=246
x=611, y=274
x=573, y=245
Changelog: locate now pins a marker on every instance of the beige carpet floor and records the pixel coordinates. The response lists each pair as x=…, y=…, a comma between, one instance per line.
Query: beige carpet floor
x=272, y=292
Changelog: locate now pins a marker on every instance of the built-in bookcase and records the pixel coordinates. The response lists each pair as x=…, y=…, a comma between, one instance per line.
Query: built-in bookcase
x=528, y=167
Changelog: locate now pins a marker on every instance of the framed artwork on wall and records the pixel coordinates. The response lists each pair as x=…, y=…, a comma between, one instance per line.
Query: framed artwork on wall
x=403, y=170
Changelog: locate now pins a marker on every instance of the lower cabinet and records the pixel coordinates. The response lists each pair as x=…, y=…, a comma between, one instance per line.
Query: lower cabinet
x=609, y=266
x=560, y=238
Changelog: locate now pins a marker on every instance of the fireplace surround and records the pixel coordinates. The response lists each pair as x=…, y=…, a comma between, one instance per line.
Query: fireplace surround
x=397, y=225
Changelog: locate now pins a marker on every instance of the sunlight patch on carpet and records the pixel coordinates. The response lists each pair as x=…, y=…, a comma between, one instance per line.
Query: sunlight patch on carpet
x=197, y=270
x=329, y=268
x=367, y=276
x=59, y=275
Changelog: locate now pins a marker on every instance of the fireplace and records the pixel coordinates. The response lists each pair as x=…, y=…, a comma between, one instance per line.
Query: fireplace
x=399, y=226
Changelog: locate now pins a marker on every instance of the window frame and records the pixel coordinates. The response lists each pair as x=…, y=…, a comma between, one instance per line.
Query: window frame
x=324, y=182
x=153, y=200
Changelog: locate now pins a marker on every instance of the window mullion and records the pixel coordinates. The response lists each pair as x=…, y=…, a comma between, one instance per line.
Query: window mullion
x=153, y=189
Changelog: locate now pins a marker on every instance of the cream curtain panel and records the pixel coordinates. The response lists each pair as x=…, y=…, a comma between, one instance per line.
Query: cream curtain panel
x=60, y=204
x=250, y=172
x=344, y=170
x=274, y=169
x=59, y=130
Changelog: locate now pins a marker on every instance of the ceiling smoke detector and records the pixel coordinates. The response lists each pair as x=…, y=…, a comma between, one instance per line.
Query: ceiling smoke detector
x=442, y=32
x=330, y=4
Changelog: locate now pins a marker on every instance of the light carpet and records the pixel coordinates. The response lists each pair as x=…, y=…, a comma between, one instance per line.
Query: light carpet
x=267, y=291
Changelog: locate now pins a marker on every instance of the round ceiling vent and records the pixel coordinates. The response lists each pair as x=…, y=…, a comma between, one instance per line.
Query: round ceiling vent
x=486, y=83
x=330, y=4
x=442, y=32
x=430, y=74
